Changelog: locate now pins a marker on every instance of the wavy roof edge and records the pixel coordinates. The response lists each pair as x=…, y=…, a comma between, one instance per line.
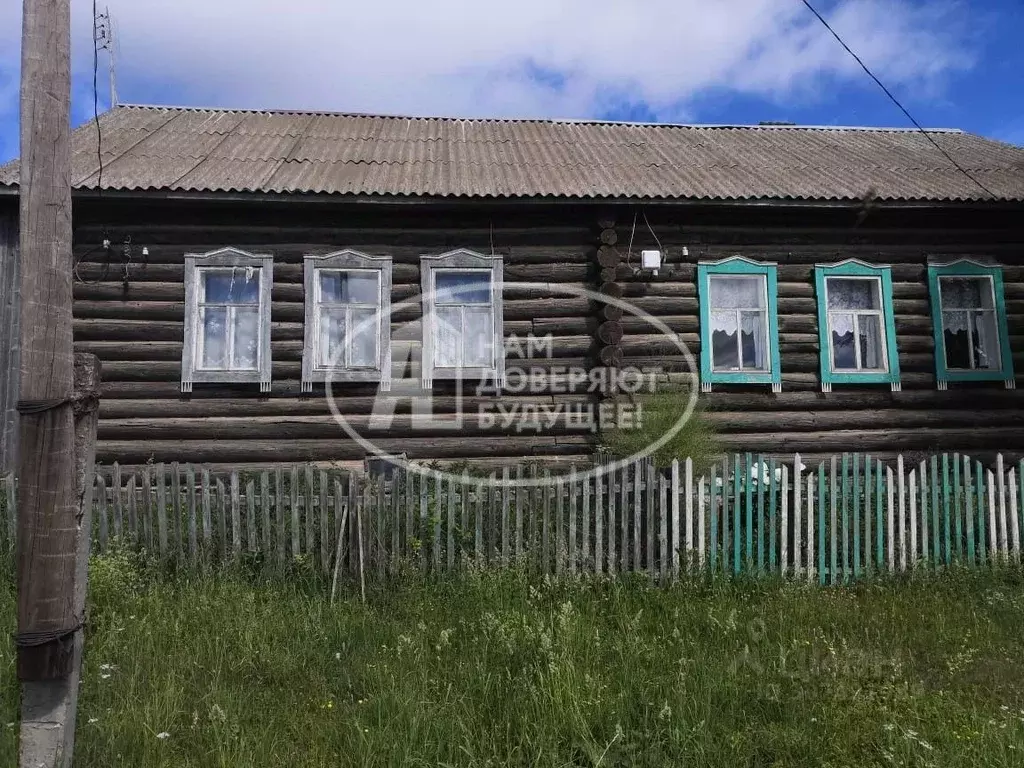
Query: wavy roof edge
x=552, y=120
x=150, y=149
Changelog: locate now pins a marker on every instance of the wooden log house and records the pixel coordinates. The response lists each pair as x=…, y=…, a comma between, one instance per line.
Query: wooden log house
x=555, y=206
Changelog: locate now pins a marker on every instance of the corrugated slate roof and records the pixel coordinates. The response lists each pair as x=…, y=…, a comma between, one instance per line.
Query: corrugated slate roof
x=204, y=150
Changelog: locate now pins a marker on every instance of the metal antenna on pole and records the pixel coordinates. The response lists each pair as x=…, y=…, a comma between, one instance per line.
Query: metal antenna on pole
x=105, y=40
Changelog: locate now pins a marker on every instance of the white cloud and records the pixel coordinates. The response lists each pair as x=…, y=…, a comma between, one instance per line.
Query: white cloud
x=534, y=58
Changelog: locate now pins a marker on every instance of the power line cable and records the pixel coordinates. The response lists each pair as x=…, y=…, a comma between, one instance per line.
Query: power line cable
x=896, y=101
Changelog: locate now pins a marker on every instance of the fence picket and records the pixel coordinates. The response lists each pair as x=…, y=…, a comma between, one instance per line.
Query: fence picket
x=450, y=500
x=772, y=535
x=958, y=527
x=995, y=546
x=844, y=500
x=624, y=517
x=146, y=508
x=833, y=538
x=161, y=509
x=572, y=520
x=99, y=511
x=662, y=555
x=934, y=502
x=946, y=528
x=324, y=519
x=675, y=519
x=869, y=514
x=559, y=526
x=760, y=524
x=969, y=511
x=293, y=487
x=599, y=502
x=810, y=526
x=175, y=514
x=520, y=489
x=700, y=525
x=784, y=515
x=610, y=526
x=190, y=487
x=118, y=503
x=650, y=499
x=798, y=513
x=250, y=515
x=206, y=513
x=637, y=518
x=925, y=527
x=264, y=509
x=436, y=520
x=689, y=491
x=1004, y=546
x=279, y=517
x=222, y=511
x=236, y=516
x=1014, y=520
x=713, y=485
x=822, y=500
x=902, y=496
x=855, y=512
x=912, y=483
x=505, y=492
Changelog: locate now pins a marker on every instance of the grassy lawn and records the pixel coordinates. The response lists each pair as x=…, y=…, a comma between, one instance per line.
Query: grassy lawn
x=500, y=670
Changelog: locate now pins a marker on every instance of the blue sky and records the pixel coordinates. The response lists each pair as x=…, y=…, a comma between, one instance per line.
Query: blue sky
x=953, y=63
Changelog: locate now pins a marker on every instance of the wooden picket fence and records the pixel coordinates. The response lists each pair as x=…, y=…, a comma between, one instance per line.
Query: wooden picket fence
x=845, y=518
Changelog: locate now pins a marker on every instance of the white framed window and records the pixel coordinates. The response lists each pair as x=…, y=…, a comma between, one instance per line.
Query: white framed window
x=739, y=324
x=348, y=319
x=856, y=327
x=970, y=326
x=227, y=319
x=972, y=341
x=856, y=324
x=462, y=317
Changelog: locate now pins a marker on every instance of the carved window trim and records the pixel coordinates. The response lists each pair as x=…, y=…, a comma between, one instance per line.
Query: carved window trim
x=469, y=261
x=346, y=261
x=195, y=265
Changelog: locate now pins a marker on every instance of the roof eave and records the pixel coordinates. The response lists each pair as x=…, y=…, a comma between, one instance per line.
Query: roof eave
x=11, y=191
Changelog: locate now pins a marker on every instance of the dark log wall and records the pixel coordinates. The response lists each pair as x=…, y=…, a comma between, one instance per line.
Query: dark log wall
x=9, y=334
x=129, y=311
x=977, y=418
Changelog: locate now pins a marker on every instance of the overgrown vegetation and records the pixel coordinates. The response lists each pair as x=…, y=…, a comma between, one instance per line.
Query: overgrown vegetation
x=497, y=669
x=696, y=439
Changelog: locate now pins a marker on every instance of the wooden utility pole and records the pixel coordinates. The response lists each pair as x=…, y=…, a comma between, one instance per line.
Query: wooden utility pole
x=51, y=572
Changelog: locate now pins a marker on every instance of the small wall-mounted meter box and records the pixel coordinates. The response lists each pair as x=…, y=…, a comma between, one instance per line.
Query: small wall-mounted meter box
x=650, y=260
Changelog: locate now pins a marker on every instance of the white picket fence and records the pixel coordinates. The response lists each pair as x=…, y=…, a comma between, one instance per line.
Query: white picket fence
x=843, y=519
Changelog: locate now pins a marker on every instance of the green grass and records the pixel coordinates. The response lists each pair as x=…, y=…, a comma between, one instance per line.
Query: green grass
x=497, y=670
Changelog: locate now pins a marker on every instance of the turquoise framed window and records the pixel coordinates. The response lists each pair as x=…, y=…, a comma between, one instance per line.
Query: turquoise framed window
x=972, y=342
x=855, y=325
x=739, y=323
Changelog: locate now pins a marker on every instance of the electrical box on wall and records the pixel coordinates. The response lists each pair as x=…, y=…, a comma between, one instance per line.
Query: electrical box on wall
x=650, y=260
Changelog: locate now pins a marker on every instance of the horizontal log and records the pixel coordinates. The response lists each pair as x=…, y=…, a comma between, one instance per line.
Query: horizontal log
x=959, y=396
x=176, y=405
x=245, y=451
x=891, y=418
x=287, y=428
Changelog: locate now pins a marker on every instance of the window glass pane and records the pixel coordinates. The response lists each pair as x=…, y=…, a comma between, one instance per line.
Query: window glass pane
x=363, y=352
x=724, y=352
x=332, y=338
x=965, y=292
x=462, y=287
x=348, y=287
x=870, y=339
x=754, y=341
x=844, y=355
x=853, y=293
x=737, y=292
x=447, y=336
x=214, y=341
x=478, y=342
x=246, y=332
x=987, y=354
x=231, y=286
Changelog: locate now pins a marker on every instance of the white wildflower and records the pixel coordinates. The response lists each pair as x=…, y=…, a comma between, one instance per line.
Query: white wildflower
x=105, y=676
x=337, y=655
x=163, y=735
x=93, y=720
